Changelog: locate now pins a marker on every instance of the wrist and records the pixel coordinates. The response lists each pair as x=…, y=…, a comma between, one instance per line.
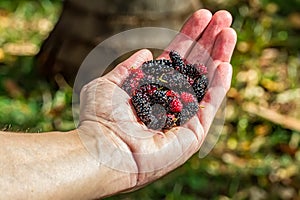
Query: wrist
x=117, y=170
x=55, y=165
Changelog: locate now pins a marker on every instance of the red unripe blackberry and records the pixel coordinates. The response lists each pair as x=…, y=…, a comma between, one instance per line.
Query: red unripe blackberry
x=176, y=105
x=187, y=98
x=171, y=93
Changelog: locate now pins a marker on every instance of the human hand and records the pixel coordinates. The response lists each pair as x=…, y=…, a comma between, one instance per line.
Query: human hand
x=110, y=129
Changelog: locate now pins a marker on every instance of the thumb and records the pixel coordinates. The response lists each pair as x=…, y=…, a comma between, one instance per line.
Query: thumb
x=121, y=71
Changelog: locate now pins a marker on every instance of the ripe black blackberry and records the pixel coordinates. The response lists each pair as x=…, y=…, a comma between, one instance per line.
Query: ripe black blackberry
x=148, y=79
x=142, y=107
x=156, y=67
x=176, y=82
x=159, y=97
x=132, y=81
x=148, y=89
x=177, y=61
x=158, y=117
x=188, y=112
x=196, y=70
x=155, y=123
x=191, y=71
x=200, y=87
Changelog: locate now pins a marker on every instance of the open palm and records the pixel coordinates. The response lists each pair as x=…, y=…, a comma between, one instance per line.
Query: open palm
x=110, y=129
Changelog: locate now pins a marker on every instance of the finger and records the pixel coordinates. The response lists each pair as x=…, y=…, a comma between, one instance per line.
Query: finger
x=215, y=95
x=200, y=124
x=121, y=71
x=224, y=45
x=189, y=33
x=203, y=48
x=222, y=50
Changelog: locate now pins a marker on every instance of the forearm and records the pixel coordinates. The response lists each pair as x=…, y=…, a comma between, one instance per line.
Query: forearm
x=53, y=166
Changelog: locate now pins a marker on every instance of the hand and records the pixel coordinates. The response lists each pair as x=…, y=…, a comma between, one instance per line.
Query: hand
x=110, y=130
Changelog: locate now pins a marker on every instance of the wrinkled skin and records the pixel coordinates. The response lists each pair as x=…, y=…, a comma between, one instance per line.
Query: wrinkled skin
x=108, y=123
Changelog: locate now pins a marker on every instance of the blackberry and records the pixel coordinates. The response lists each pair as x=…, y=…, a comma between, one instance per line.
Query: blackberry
x=148, y=89
x=159, y=97
x=200, y=87
x=176, y=82
x=189, y=111
x=177, y=61
x=187, y=97
x=148, y=79
x=155, y=123
x=142, y=107
x=171, y=93
x=158, y=117
x=156, y=67
x=175, y=106
x=191, y=71
x=132, y=81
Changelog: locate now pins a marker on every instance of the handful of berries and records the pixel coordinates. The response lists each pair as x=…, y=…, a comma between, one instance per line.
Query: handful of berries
x=166, y=93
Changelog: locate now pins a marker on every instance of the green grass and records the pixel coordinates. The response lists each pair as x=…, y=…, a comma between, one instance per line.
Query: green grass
x=27, y=101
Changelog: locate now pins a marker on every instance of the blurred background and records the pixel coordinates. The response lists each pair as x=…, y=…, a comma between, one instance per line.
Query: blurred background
x=43, y=42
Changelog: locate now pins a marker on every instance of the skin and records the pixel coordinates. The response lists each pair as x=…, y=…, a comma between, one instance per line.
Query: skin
x=110, y=151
